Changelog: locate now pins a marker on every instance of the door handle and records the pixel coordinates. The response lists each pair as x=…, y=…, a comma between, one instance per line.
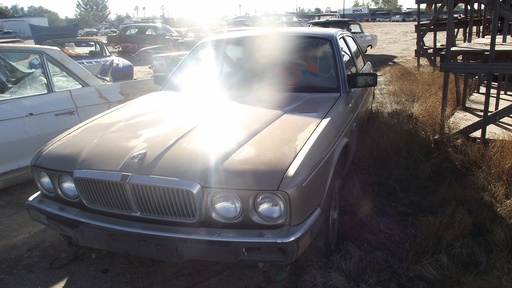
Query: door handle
x=70, y=112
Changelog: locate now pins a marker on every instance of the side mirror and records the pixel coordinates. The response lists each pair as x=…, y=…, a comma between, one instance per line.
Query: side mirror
x=106, y=68
x=362, y=80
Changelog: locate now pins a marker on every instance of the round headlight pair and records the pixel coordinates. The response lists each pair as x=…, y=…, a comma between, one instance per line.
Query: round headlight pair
x=270, y=207
x=66, y=185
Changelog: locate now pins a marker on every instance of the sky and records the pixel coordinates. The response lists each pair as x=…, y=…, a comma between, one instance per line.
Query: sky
x=190, y=8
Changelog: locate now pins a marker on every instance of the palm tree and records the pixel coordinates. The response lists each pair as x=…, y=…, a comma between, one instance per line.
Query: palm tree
x=144, y=10
x=136, y=9
x=162, y=8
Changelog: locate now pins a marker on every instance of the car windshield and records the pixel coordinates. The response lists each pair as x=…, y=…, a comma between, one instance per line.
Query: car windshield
x=84, y=48
x=255, y=63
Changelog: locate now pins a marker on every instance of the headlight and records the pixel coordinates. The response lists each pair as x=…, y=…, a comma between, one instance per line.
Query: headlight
x=67, y=187
x=45, y=182
x=269, y=206
x=227, y=205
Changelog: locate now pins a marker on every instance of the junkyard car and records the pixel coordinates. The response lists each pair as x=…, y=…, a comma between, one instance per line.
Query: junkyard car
x=94, y=55
x=133, y=37
x=365, y=40
x=9, y=34
x=88, y=32
x=240, y=156
x=43, y=92
x=179, y=46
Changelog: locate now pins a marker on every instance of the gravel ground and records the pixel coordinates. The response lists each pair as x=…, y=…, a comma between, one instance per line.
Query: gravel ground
x=33, y=256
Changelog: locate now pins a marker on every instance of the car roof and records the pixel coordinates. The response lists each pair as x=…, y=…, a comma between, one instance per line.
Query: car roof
x=81, y=39
x=292, y=31
x=144, y=24
x=335, y=20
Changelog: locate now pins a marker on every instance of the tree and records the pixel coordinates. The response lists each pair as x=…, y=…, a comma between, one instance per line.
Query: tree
x=4, y=11
x=387, y=4
x=53, y=18
x=92, y=12
x=16, y=10
x=120, y=19
x=136, y=10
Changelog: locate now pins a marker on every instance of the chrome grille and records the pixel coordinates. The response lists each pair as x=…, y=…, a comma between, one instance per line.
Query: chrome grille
x=137, y=195
x=164, y=201
x=104, y=195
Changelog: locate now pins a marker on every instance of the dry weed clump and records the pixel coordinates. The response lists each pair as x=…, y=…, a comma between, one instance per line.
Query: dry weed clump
x=419, y=92
x=431, y=213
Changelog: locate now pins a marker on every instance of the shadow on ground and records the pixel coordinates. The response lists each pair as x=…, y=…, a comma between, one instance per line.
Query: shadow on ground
x=380, y=61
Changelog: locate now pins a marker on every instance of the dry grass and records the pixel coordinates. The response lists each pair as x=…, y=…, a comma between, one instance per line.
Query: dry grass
x=433, y=213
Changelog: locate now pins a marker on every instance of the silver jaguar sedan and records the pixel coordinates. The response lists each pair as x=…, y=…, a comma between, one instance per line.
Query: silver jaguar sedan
x=241, y=156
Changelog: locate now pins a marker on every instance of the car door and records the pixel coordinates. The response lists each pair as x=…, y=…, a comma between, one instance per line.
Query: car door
x=360, y=98
x=34, y=106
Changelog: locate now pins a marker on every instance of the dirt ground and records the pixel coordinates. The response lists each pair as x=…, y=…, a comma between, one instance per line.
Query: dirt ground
x=32, y=255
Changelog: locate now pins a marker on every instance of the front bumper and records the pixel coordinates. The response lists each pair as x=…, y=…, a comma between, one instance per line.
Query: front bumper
x=172, y=243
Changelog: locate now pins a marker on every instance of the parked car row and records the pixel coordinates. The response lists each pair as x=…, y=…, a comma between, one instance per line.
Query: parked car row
x=100, y=31
x=88, y=32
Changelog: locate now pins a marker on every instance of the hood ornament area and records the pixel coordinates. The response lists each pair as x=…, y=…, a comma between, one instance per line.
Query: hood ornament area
x=138, y=156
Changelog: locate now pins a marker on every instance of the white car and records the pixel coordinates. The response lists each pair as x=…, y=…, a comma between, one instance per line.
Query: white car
x=106, y=31
x=365, y=40
x=43, y=92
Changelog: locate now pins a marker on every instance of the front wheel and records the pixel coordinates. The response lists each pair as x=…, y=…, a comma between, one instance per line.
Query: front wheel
x=326, y=241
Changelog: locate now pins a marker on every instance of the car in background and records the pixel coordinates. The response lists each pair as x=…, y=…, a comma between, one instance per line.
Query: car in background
x=190, y=37
x=365, y=40
x=93, y=54
x=133, y=37
x=43, y=92
x=107, y=31
x=243, y=155
x=9, y=34
x=398, y=18
x=89, y=32
x=279, y=20
x=405, y=17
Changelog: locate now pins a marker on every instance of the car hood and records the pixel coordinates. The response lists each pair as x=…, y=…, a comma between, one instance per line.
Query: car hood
x=214, y=142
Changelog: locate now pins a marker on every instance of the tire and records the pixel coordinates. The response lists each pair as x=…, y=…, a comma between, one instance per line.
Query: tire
x=327, y=240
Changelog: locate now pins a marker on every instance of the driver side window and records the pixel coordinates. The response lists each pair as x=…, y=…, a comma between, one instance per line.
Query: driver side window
x=21, y=74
